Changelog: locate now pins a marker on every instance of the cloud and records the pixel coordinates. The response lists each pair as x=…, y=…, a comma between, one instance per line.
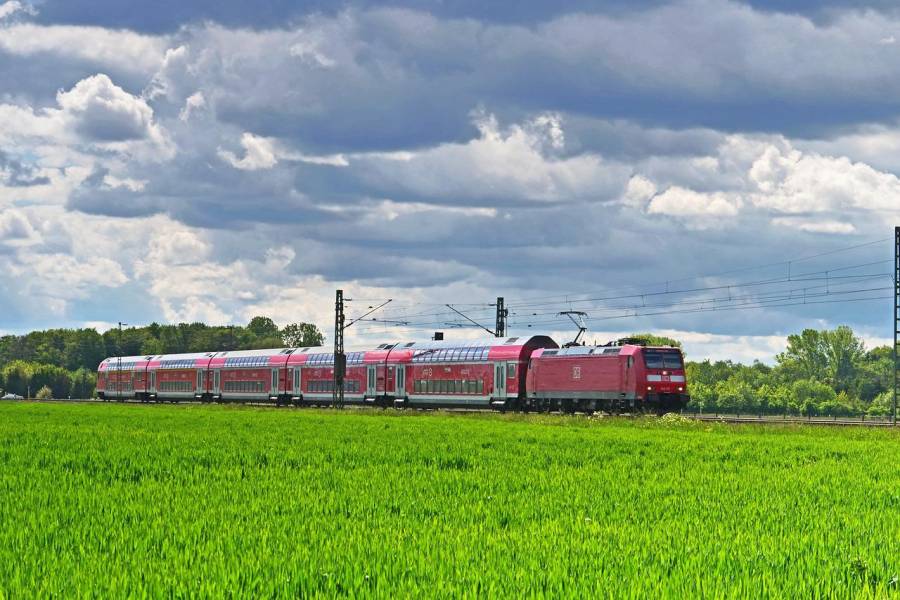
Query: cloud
x=194, y=102
x=104, y=112
x=638, y=191
x=426, y=154
x=117, y=49
x=15, y=173
x=11, y=7
x=259, y=153
x=812, y=226
x=15, y=226
x=507, y=165
x=694, y=207
x=794, y=182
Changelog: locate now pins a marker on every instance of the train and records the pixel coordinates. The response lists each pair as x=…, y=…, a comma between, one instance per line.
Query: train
x=527, y=373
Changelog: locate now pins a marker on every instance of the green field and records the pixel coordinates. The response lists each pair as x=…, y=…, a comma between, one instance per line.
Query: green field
x=124, y=500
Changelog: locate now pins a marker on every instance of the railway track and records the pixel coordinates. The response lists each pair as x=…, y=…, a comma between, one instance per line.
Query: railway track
x=776, y=420
x=757, y=419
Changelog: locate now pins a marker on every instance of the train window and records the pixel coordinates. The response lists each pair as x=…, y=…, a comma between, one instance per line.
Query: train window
x=662, y=360
x=630, y=362
x=672, y=360
x=511, y=370
x=480, y=386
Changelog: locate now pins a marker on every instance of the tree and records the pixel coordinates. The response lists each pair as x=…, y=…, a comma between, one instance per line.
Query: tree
x=262, y=327
x=734, y=396
x=833, y=357
x=882, y=405
x=17, y=377
x=809, y=395
x=299, y=335
x=804, y=357
x=844, y=353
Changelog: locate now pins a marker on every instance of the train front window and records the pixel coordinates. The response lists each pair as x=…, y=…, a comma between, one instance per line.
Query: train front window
x=663, y=360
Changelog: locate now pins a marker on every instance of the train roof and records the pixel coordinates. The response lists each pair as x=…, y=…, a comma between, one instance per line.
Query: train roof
x=489, y=342
x=496, y=348
x=626, y=349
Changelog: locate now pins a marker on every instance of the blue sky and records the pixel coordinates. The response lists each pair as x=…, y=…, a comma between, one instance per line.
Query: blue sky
x=214, y=160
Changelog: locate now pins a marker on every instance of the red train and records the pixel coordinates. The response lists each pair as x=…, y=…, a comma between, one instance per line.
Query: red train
x=515, y=373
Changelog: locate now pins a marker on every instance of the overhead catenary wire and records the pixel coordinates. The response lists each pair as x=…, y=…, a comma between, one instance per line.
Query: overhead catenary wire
x=822, y=286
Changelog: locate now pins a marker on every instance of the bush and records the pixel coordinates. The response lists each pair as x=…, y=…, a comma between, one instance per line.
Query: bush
x=882, y=405
x=809, y=395
x=45, y=393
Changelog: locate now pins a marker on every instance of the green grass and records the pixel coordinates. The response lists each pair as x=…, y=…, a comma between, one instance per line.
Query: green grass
x=115, y=500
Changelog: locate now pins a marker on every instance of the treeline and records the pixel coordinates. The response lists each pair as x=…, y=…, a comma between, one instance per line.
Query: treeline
x=821, y=373
x=27, y=379
x=66, y=360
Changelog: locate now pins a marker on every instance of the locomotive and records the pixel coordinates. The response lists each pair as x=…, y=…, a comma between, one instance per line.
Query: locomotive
x=511, y=373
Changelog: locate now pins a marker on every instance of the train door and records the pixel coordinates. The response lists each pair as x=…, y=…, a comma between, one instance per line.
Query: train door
x=400, y=382
x=274, y=391
x=217, y=383
x=371, y=381
x=500, y=380
x=200, y=377
x=297, y=388
x=152, y=389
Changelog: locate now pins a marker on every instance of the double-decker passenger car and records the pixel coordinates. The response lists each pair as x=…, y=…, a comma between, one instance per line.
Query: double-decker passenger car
x=434, y=373
x=245, y=375
x=611, y=378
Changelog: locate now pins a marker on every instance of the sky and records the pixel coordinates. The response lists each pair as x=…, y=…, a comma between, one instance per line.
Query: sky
x=722, y=172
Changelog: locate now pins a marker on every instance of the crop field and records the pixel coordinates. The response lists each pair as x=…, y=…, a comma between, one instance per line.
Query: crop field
x=127, y=500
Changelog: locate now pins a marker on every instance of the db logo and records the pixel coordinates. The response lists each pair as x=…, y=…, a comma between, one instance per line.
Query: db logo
x=576, y=372
x=426, y=372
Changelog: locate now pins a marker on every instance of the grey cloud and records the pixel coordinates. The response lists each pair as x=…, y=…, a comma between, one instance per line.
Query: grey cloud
x=15, y=173
x=401, y=79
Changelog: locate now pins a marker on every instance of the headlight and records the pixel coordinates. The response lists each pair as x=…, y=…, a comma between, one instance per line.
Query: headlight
x=649, y=388
x=681, y=389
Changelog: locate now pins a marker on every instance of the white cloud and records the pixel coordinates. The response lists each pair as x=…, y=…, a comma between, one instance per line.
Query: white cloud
x=638, y=191
x=793, y=182
x=119, y=49
x=105, y=112
x=308, y=51
x=259, y=153
x=813, y=226
x=264, y=153
x=15, y=227
x=11, y=7
x=511, y=164
x=95, y=115
x=690, y=205
x=195, y=102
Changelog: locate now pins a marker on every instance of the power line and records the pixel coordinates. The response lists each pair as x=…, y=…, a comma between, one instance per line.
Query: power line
x=783, y=263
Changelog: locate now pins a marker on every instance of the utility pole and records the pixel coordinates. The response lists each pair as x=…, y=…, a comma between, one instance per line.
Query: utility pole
x=502, y=312
x=119, y=367
x=340, y=359
x=896, y=319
